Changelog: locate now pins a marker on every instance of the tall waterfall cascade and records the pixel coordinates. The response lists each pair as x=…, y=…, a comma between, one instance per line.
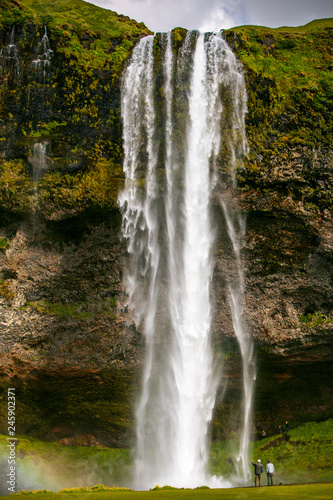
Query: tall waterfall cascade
x=183, y=109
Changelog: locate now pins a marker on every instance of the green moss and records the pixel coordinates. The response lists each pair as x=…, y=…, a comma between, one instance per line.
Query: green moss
x=97, y=188
x=5, y=290
x=178, y=36
x=289, y=85
x=75, y=107
x=15, y=186
x=83, y=311
x=4, y=245
x=314, y=319
x=61, y=311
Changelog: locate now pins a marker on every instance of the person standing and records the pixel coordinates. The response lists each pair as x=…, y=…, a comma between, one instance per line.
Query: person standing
x=287, y=427
x=270, y=471
x=258, y=470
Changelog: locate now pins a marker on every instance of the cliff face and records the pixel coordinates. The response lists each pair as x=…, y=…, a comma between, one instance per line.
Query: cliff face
x=65, y=345
x=68, y=344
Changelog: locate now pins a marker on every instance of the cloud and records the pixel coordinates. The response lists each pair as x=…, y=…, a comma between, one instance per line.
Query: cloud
x=213, y=15
x=223, y=15
x=288, y=12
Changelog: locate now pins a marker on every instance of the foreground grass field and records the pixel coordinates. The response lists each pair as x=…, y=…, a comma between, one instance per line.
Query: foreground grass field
x=309, y=491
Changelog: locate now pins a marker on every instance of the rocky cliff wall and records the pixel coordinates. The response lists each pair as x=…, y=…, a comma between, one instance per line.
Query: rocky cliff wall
x=68, y=343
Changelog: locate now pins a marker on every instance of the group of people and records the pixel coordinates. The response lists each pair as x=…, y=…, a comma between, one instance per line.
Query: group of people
x=263, y=434
x=259, y=469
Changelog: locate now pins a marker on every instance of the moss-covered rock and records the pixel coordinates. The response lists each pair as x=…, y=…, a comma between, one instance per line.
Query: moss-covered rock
x=60, y=86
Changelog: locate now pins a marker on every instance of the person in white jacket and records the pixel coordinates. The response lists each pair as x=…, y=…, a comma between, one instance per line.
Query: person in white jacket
x=270, y=471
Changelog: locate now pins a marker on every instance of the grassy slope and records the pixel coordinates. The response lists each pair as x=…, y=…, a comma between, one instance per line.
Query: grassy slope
x=110, y=34
x=76, y=14
x=297, y=64
x=51, y=466
x=289, y=77
x=305, y=456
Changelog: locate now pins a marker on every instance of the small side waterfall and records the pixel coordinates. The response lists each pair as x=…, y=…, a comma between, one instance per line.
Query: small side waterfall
x=182, y=107
x=44, y=57
x=236, y=291
x=39, y=160
x=9, y=57
x=40, y=163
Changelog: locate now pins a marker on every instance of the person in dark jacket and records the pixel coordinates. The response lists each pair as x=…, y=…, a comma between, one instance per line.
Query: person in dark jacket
x=258, y=470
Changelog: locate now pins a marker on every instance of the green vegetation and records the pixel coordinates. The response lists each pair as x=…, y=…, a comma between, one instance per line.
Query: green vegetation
x=302, y=455
x=82, y=311
x=62, y=311
x=15, y=186
x=84, y=31
x=292, y=68
x=314, y=319
x=80, y=15
x=290, y=102
x=73, y=106
x=92, y=489
x=4, y=245
x=71, y=466
x=69, y=16
x=97, y=187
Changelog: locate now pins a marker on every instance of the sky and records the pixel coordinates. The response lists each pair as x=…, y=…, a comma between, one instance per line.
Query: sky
x=213, y=15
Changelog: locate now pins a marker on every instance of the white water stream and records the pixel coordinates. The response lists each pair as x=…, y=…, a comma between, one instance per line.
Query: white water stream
x=9, y=56
x=172, y=134
x=44, y=55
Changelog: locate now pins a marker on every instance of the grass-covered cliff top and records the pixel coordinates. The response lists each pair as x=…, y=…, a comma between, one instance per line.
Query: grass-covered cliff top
x=289, y=78
x=293, y=69
x=69, y=14
x=313, y=26
x=69, y=101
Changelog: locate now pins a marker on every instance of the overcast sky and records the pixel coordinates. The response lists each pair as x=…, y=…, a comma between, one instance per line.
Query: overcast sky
x=213, y=15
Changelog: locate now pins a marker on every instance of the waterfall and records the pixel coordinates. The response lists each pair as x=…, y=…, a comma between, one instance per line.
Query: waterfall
x=236, y=289
x=11, y=49
x=44, y=56
x=39, y=160
x=40, y=164
x=9, y=56
x=175, y=129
